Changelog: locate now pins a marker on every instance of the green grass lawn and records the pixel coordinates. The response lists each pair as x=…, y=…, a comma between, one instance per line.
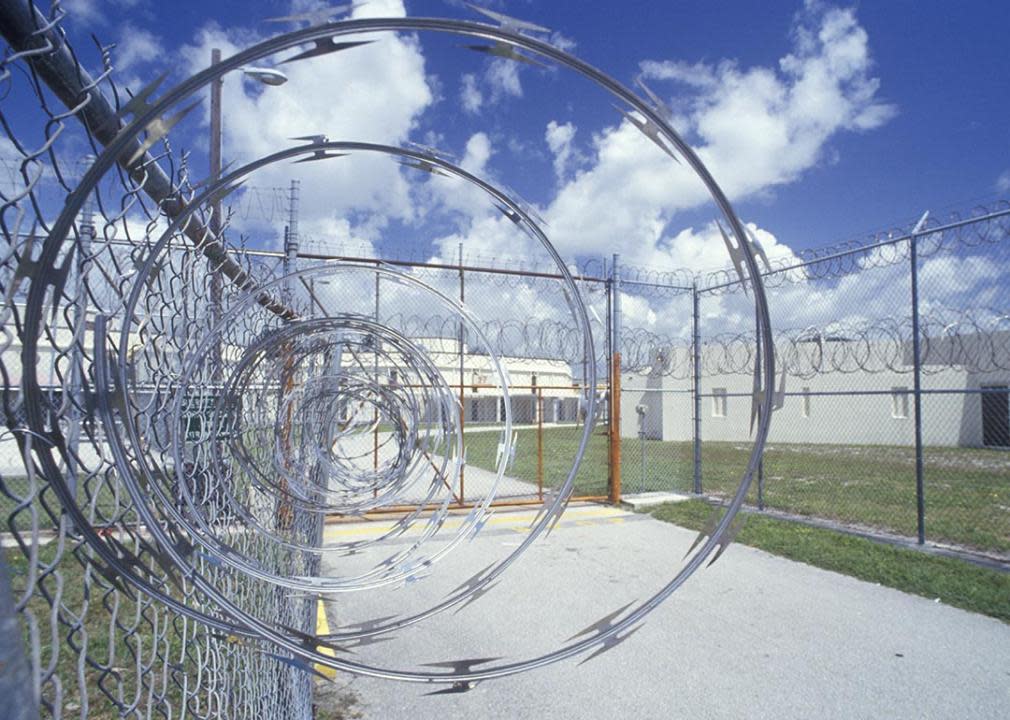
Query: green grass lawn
x=967, y=490
x=953, y=581
x=114, y=628
x=559, y=449
x=135, y=629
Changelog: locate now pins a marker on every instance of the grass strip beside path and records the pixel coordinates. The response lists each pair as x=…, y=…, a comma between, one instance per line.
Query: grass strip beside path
x=955, y=582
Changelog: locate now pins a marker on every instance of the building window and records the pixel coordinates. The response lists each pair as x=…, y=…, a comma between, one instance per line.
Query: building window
x=719, y=402
x=806, y=401
x=533, y=380
x=899, y=402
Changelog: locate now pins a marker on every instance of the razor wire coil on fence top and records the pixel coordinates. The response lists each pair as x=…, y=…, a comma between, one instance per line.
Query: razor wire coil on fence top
x=892, y=397
x=187, y=415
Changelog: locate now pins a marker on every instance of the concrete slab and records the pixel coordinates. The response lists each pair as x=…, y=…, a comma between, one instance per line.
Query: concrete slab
x=640, y=501
x=753, y=636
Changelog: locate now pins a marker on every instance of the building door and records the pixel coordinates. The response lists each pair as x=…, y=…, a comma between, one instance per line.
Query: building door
x=996, y=416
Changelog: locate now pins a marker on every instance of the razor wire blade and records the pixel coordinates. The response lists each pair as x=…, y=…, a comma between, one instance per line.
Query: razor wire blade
x=290, y=387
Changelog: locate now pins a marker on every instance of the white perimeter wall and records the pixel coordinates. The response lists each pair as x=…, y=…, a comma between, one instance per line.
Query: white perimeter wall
x=948, y=419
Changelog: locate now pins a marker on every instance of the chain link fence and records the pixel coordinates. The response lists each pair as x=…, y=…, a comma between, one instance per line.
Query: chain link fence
x=544, y=359
x=892, y=409
x=893, y=359
x=82, y=642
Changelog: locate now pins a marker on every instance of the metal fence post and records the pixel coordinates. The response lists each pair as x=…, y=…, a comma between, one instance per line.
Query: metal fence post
x=761, y=462
x=16, y=676
x=615, y=383
x=696, y=384
x=540, y=444
x=462, y=405
x=375, y=371
x=920, y=499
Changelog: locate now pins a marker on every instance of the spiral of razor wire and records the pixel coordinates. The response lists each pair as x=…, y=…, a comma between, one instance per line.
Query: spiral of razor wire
x=188, y=414
x=180, y=443
x=973, y=340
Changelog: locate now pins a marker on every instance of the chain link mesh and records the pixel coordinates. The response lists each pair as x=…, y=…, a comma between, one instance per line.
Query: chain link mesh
x=843, y=444
x=97, y=648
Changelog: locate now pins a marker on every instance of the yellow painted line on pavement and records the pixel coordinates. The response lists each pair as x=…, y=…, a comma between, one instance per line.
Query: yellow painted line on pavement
x=323, y=628
x=579, y=515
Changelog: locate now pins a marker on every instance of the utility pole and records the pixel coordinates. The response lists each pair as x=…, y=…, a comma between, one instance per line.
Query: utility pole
x=291, y=240
x=78, y=405
x=216, y=288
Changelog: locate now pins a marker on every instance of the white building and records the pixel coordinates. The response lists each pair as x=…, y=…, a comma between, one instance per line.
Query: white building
x=530, y=380
x=962, y=406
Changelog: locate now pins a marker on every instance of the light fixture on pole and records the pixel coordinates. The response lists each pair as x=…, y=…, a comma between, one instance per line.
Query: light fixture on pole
x=267, y=76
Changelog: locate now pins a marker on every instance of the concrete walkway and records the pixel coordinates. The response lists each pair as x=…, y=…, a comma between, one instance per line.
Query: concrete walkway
x=754, y=636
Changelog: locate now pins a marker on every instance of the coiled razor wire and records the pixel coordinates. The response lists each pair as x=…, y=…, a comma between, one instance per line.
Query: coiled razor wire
x=977, y=341
x=206, y=542
x=980, y=227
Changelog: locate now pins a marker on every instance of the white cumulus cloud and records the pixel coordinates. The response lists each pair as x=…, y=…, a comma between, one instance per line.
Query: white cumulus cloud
x=384, y=83
x=1003, y=182
x=754, y=128
x=559, y=139
x=470, y=95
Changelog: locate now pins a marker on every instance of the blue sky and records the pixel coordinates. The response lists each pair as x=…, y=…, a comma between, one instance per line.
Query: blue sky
x=921, y=115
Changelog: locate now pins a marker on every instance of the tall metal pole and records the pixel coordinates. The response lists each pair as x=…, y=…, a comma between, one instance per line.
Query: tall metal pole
x=462, y=406
x=216, y=287
x=920, y=497
x=615, y=383
x=375, y=372
x=291, y=240
x=78, y=410
x=215, y=124
x=696, y=384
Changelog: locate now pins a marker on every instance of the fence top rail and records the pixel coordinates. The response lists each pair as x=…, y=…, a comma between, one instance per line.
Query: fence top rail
x=863, y=248
x=455, y=267
x=365, y=260
x=682, y=279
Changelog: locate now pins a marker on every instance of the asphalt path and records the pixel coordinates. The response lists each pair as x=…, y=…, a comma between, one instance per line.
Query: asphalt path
x=753, y=636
